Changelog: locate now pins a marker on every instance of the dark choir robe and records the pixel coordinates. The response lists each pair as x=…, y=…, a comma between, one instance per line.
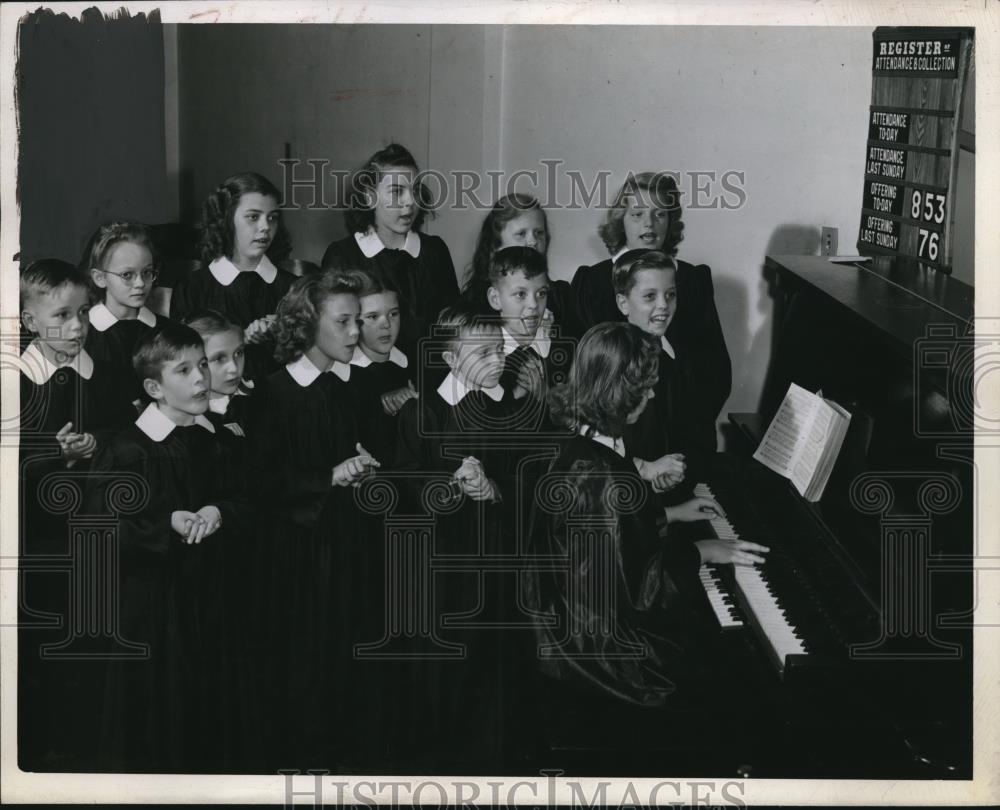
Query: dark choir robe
x=369, y=381
x=304, y=427
x=562, y=302
x=111, y=340
x=695, y=326
x=242, y=296
x=422, y=271
x=236, y=577
x=454, y=713
x=531, y=413
x=58, y=699
x=673, y=421
x=159, y=713
x=621, y=623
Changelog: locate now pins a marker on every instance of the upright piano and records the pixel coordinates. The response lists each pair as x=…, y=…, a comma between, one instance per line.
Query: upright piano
x=854, y=637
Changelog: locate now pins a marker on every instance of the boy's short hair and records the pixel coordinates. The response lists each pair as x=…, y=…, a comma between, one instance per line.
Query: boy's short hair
x=45, y=275
x=458, y=322
x=516, y=259
x=209, y=322
x=629, y=264
x=161, y=346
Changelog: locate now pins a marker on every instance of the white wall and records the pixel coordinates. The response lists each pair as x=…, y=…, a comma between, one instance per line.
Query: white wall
x=785, y=106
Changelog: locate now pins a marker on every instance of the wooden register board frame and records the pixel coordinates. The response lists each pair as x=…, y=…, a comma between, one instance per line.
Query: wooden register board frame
x=911, y=163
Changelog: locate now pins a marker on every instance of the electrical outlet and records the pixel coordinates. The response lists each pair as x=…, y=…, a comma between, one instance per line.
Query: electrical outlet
x=828, y=241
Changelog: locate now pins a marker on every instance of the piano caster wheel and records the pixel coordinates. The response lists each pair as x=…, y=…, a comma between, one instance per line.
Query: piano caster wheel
x=744, y=771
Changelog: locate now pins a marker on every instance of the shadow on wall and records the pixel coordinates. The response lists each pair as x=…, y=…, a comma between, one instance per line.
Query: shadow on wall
x=796, y=240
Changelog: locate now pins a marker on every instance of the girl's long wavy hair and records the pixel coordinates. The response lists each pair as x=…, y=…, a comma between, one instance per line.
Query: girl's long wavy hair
x=615, y=364
x=662, y=187
x=299, y=311
x=218, y=212
x=507, y=208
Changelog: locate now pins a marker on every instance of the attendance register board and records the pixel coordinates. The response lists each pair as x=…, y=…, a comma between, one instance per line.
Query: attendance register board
x=918, y=79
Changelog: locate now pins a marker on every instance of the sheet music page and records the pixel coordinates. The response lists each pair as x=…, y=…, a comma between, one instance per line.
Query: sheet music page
x=811, y=451
x=787, y=432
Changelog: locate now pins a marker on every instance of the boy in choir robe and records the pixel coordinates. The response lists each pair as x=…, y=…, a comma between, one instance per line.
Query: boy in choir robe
x=452, y=439
x=71, y=405
x=158, y=711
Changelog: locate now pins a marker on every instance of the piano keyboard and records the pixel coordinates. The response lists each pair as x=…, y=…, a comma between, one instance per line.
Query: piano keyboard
x=760, y=604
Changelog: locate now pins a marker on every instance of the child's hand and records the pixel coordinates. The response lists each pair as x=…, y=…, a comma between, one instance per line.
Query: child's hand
x=530, y=378
x=698, y=508
x=257, y=331
x=75, y=446
x=392, y=401
x=473, y=480
x=353, y=470
x=730, y=551
x=212, y=517
x=189, y=525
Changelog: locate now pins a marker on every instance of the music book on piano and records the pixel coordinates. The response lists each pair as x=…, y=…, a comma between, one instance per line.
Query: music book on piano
x=803, y=440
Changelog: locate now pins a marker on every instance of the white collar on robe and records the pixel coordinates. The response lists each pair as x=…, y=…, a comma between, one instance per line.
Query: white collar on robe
x=39, y=369
x=305, y=373
x=667, y=347
x=612, y=444
x=453, y=390
x=371, y=245
x=362, y=360
x=220, y=404
x=157, y=425
x=102, y=318
x=541, y=342
x=225, y=272
x=615, y=257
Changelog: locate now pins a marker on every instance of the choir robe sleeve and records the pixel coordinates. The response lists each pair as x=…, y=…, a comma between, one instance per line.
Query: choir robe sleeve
x=414, y=449
x=113, y=473
x=443, y=289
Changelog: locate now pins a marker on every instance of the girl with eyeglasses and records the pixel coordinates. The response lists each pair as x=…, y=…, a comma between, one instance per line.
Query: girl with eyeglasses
x=122, y=267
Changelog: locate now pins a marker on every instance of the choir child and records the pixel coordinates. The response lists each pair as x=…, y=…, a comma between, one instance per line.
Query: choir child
x=121, y=264
x=621, y=615
x=158, y=711
x=451, y=438
x=70, y=406
x=306, y=454
x=243, y=238
x=646, y=214
x=518, y=292
x=382, y=376
x=519, y=220
x=676, y=422
x=387, y=206
x=237, y=565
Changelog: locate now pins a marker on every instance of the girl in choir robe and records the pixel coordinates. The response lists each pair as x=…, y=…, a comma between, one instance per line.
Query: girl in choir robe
x=387, y=206
x=306, y=454
x=451, y=447
x=71, y=405
x=518, y=220
x=243, y=238
x=382, y=376
x=159, y=709
x=232, y=581
x=121, y=264
x=621, y=606
x=646, y=214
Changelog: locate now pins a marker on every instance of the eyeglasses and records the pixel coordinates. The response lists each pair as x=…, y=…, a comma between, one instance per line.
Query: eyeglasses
x=129, y=275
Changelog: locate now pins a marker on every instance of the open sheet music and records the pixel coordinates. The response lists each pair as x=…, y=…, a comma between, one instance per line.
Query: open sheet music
x=803, y=440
